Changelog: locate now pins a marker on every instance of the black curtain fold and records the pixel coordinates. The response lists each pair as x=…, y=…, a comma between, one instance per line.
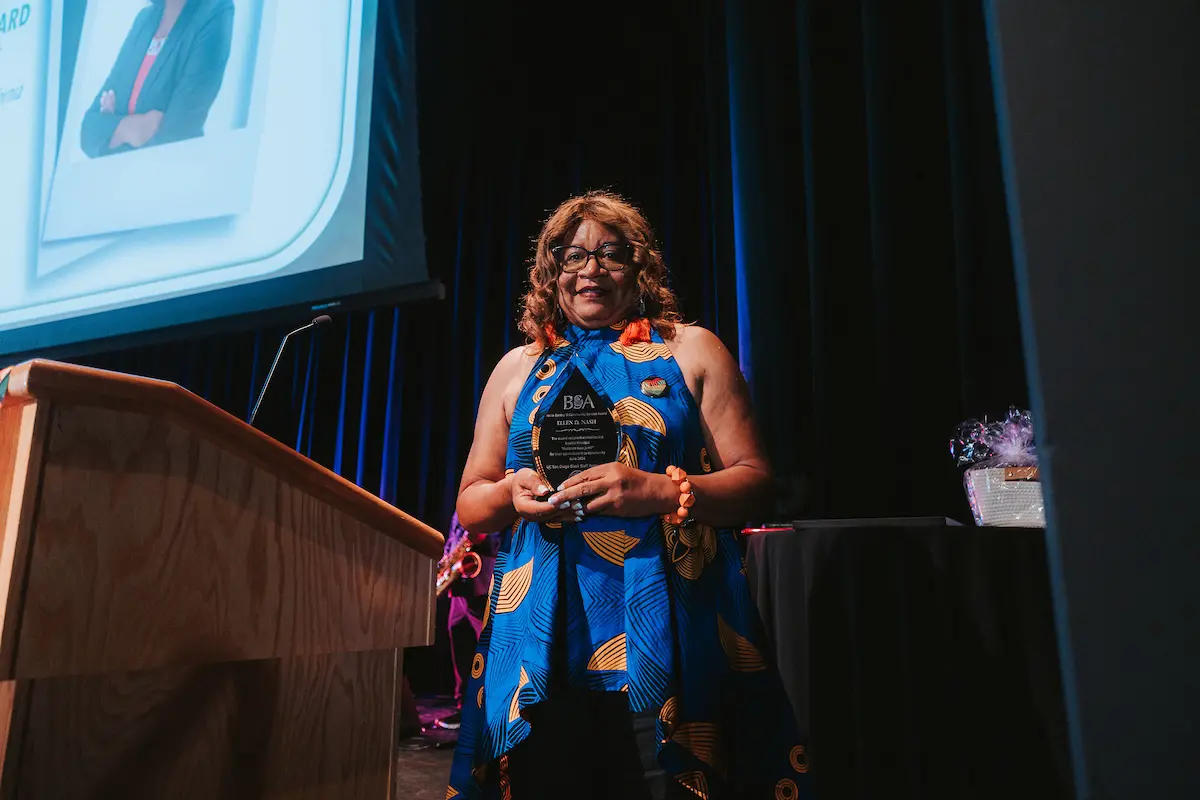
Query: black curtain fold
x=825, y=180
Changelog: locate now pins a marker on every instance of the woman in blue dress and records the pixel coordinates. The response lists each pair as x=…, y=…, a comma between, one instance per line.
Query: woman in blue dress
x=621, y=655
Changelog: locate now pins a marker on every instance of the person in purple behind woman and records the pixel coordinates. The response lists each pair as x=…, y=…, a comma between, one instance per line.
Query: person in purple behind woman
x=468, y=598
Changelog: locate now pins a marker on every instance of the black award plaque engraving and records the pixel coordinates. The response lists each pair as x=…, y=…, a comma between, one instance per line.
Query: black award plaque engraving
x=578, y=431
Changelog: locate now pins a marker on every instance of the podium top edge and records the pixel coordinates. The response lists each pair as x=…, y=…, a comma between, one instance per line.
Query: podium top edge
x=73, y=385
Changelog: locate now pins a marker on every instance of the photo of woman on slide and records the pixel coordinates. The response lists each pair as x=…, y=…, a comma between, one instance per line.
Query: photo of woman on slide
x=165, y=78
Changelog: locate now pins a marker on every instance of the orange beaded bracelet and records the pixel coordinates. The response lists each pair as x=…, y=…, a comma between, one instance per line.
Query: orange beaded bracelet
x=687, y=498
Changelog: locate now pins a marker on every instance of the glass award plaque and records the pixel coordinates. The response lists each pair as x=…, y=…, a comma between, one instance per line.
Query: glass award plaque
x=578, y=431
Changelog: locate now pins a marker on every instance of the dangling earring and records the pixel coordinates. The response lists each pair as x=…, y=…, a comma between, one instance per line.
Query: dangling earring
x=637, y=331
x=560, y=319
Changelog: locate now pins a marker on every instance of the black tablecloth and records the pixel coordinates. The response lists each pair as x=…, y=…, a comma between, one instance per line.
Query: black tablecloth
x=920, y=657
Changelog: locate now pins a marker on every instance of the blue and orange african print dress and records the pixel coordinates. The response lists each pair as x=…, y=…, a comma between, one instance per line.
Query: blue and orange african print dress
x=658, y=612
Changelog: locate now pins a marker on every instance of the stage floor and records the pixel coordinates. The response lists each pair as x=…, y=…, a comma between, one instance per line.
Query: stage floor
x=423, y=762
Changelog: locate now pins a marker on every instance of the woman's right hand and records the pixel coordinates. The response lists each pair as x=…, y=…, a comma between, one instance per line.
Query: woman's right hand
x=527, y=486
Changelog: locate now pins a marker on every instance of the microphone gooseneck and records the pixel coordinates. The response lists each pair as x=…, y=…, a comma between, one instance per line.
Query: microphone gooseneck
x=321, y=320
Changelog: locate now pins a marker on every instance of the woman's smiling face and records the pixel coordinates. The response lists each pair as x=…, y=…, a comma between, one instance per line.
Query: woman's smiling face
x=603, y=290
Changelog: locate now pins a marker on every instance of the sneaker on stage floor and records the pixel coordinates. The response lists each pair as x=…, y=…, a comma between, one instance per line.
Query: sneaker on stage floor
x=419, y=742
x=450, y=723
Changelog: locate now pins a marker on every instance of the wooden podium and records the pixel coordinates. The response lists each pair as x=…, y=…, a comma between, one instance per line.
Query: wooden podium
x=190, y=609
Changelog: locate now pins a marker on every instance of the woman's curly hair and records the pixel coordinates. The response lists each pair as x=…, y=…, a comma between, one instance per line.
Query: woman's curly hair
x=540, y=305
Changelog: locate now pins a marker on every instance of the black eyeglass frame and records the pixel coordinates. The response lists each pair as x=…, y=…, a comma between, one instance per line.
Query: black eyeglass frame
x=626, y=248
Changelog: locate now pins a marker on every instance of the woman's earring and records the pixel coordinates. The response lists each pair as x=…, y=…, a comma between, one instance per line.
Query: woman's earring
x=642, y=306
x=560, y=319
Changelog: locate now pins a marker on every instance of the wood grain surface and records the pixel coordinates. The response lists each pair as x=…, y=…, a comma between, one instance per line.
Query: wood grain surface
x=85, y=386
x=311, y=727
x=155, y=547
x=14, y=705
x=188, y=608
x=23, y=431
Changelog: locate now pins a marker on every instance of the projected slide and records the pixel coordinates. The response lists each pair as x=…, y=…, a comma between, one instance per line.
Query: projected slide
x=157, y=149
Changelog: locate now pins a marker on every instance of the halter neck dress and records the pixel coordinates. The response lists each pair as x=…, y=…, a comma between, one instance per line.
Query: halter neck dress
x=634, y=605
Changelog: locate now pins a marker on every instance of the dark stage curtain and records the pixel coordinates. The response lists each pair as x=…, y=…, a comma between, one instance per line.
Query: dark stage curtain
x=825, y=182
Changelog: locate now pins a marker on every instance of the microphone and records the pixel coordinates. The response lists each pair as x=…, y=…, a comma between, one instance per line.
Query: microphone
x=321, y=320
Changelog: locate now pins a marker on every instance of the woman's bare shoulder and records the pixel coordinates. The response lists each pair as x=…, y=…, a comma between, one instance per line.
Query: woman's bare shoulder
x=517, y=361
x=700, y=354
x=696, y=343
x=509, y=375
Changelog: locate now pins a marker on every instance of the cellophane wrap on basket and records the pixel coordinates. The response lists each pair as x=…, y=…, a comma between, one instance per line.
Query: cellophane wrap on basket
x=1002, y=479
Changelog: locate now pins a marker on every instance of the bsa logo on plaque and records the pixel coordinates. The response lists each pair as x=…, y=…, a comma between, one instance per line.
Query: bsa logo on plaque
x=578, y=430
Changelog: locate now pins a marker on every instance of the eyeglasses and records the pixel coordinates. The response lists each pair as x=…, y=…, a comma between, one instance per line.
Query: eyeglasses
x=612, y=256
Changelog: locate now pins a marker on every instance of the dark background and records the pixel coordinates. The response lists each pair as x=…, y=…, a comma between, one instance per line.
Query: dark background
x=825, y=180
x=1101, y=116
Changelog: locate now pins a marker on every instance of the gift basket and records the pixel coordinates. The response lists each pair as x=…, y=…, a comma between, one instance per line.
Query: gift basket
x=1001, y=478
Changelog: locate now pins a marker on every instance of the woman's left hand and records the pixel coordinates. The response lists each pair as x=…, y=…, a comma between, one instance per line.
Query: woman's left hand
x=619, y=491
x=136, y=130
